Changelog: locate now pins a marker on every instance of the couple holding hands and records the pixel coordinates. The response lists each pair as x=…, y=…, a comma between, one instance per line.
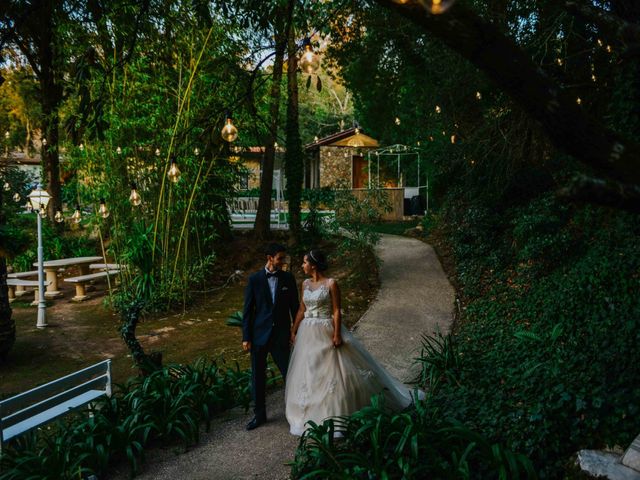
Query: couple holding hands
x=327, y=371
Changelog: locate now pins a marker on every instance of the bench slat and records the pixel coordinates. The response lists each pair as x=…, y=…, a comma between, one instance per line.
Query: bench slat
x=50, y=414
x=22, y=274
x=42, y=392
x=91, y=276
x=49, y=403
x=16, y=282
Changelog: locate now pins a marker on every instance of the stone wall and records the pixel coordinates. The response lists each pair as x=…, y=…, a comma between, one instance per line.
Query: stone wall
x=335, y=166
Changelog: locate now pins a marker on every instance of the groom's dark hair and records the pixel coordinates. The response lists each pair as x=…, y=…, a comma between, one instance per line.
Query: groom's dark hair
x=273, y=249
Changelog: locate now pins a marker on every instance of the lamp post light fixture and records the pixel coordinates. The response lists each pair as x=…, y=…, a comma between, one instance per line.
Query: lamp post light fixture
x=39, y=199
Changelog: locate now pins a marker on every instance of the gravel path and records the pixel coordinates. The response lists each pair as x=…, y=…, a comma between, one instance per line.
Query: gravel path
x=415, y=297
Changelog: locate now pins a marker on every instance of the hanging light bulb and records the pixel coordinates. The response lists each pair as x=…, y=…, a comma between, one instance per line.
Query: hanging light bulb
x=16, y=197
x=119, y=150
x=103, y=210
x=6, y=135
x=438, y=109
x=315, y=139
x=6, y=186
x=401, y=2
x=135, y=198
x=437, y=6
x=609, y=49
x=157, y=152
x=44, y=142
x=309, y=61
x=174, y=172
x=579, y=101
x=453, y=139
x=196, y=151
x=397, y=120
x=77, y=216
x=478, y=95
x=229, y=131
x=275, y=145
x=559, y=61
x=58, y=217
x=81, y=147
x=599, y=42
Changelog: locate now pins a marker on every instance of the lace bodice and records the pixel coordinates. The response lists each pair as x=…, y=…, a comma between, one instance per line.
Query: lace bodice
x=317, y=299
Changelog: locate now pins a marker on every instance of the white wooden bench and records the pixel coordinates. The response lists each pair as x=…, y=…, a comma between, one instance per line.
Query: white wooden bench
x=38, y=406
x=82, y=280
x=14, y=283
x=20, y=290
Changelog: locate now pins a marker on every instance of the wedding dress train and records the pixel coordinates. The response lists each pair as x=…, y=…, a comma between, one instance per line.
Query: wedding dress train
x=323, y=381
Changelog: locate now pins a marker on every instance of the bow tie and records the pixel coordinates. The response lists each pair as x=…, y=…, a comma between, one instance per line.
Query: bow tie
x=272, y=274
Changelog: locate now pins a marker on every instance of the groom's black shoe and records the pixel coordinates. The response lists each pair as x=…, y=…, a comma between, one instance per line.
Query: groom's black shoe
x=256, y=422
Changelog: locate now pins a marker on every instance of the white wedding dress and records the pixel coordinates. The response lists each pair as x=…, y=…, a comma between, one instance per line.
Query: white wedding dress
x=323, y=381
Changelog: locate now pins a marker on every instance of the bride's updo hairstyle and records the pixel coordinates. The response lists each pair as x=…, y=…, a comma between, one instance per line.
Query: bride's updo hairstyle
x=319, y=259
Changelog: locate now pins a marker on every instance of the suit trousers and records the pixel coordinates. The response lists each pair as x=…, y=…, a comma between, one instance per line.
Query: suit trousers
x=280, y=354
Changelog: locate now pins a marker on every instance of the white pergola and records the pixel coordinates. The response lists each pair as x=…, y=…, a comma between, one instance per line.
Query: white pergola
x=397, y=152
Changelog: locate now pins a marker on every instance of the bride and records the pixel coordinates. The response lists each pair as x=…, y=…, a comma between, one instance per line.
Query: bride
x=330, y=372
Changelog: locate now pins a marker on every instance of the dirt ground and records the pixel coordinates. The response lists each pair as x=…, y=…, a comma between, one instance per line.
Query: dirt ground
x=80, y=334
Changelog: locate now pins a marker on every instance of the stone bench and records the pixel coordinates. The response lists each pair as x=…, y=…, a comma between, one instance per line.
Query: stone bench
x=82, y=280
x=24, y=412
x=14, y=283
x=20, y=290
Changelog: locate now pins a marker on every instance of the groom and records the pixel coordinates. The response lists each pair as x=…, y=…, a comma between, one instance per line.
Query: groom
x=270, y=303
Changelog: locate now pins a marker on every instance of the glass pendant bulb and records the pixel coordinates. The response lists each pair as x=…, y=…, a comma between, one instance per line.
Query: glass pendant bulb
x=229, y=131
x=77, y=216
x=397, y=121
x=16, y=197
x=135, y=198
x=44, y=142
x=438, y=109
x=58, y=217
x=119, y=150
x=478, y=95
x=437, y=6
x=103, y=210
x=157, y=152
x=196, y=151
x=43, y=212
x=174, y=172
x=81, y=147
x=309, y=61
x=6, y=186
x=6, y=135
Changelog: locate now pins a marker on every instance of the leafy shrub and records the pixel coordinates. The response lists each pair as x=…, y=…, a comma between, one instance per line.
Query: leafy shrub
x=416, y=443
x=168, y=406
x=547, y=345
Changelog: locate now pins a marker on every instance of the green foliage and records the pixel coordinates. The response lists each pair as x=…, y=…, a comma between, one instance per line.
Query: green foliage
x=416, y=443
x=234, y=320
x=168, y=406
x=546, y=349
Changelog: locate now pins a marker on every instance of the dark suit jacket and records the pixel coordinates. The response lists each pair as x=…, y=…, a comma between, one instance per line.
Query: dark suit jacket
x=261, y=317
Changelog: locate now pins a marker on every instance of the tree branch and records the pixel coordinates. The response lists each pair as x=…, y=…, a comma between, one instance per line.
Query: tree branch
x=612, y=25
x=602, y=192
x=512, y=70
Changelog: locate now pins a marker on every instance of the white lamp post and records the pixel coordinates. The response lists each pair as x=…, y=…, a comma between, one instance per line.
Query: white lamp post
x=39, y=199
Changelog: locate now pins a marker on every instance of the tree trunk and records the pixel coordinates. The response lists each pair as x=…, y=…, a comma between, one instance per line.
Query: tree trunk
x=262, y=223
x=7, y=325
x=48, y=59
x=293, y=165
